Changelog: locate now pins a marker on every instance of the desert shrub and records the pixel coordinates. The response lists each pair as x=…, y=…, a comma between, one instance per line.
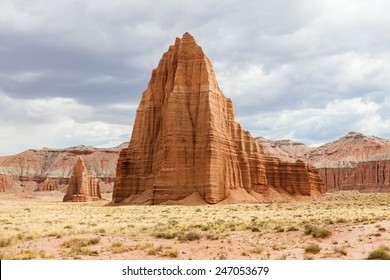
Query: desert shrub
x=117, y=248
x=5, y=242
x=309, y=229
x=166, y=235
x=93, y=241
x=279, y=229
x=292, y=228
x=28, y=254
x=328, y=221
x=312, y=248
x=117, y=244
x=89, y=252
x=212, y=236
x=317, y=232
x=222, y=256
x=322, y=233
x=154, y=250
x=80, y=242
x=173, y=254
x=341, y=220
x=256, y=250
x=382, y=253
x=341, y=250
x=190, y=236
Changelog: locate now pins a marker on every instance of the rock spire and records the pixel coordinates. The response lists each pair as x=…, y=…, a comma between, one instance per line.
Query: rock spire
x=83, y=185
x=186, y=140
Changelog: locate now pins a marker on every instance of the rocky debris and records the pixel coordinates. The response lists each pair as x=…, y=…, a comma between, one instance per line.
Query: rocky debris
x=31, y=168
x=83, y=185
x=6, y=182
x=186, y=140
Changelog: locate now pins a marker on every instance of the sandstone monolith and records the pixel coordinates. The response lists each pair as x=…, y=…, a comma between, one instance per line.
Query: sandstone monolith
x=6, y=182
x=83, y=185
x=186, y=140
x=49, y=184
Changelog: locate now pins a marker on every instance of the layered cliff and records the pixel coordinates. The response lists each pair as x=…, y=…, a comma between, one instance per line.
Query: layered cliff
x=50, y=184
x=50, y=169
x=349, y=150
x=186, y=140
x=352, y=162
x=83, y=185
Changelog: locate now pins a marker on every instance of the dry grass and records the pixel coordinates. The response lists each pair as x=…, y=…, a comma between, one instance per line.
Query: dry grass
x=51, y=218
x=312, y=249
x=381, y=253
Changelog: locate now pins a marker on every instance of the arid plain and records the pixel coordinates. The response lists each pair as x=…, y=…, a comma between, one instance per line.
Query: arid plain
x=343, y=225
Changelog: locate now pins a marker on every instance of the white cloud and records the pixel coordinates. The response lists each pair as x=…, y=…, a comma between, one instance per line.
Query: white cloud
x=315, y=124
x=312, y=70
x=52, y=122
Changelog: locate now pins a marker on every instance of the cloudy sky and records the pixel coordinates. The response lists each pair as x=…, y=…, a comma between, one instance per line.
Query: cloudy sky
x=72, y=71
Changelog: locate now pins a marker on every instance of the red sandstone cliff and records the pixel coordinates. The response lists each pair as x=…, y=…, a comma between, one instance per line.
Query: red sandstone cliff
x=352, y=162
x=50, y=169
x=185, y=139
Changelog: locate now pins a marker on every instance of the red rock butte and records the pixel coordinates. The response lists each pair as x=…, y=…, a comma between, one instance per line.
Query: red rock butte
x=83, y=185
x=186, y=143
x=6, y=182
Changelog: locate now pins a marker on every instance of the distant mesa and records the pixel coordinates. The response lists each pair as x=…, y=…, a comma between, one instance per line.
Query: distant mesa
x=50, y=169
x=352, y=162
x=186, y=142
x=83, y=186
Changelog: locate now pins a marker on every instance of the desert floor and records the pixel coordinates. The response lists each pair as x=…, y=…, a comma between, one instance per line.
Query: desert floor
x=344, y=225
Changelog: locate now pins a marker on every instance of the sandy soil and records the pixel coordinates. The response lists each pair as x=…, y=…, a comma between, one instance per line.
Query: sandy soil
x=349, y=239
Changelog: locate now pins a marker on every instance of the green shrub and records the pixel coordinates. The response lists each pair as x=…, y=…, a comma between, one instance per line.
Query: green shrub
x=166, y=235
x=317, y=232
x=80, y=242
x=173, y=254
x=382, y=253
x=322, y=233
x=312, y=248
x=309, y=229
x=190, y=236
